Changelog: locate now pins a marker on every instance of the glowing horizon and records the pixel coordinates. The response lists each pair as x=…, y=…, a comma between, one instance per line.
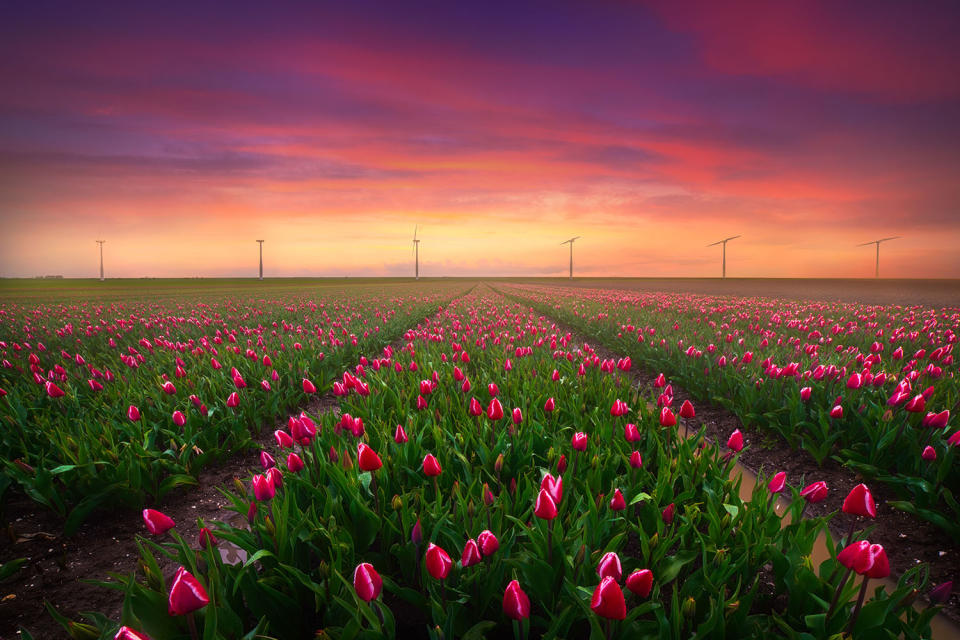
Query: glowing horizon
x=181, y=136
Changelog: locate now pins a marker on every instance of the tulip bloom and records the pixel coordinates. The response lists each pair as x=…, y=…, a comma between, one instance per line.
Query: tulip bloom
x=263, y=488
x=607, y=601
x=157, y=523
x=579, y=441
x=267, y=461
x=233, y=400
x=630, y=432
x=836, y=412
x=495, y=410
x=431, y=466
x=517, y=416
x=869, y=560
x=667, y=419
x=735, y=442
x=308, y=387
x=667, y=514
x=814, y=492
x=640, y=582
x=367, y=582
x=635, y=460
x=687, y=411
x=488, y=543
x=284, y=441
x=474, y=409
x=610, y=566
x=618, y=503
x=186, y=594
x=805, y=393
x=168, y=388
x=294, y=463
x=400, y=436
x=438, y=562
x=179, y=419
x=206, y=539
x=929, y=454
x=777, y=483
x=367, y=458
x=53, y=390
x=516, y=604
x=470, y=555
x=126, y=633
x=545, y=507
x=549, y=405
x=133, y=413
x=859, y=502
x=553, y=486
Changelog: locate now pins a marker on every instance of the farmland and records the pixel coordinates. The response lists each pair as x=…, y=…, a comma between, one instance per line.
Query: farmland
x=534, y=432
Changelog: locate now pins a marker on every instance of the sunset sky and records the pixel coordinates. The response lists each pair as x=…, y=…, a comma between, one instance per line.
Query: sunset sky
x=182, y=133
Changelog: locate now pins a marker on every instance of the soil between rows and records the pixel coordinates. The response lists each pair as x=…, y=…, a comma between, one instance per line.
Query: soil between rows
x=59, y=566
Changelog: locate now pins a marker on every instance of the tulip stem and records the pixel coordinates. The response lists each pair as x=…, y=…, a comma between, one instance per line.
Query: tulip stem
x=856, y=610
x=609, y=628
x=836, y=596
x=549, y=539
x=192, y=623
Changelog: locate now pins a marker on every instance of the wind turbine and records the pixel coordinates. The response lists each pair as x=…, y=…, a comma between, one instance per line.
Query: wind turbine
x=724, y=243
x=100, y=242
x=416, y=254
x=570, y=241
x=261, y=258
x=877, y=242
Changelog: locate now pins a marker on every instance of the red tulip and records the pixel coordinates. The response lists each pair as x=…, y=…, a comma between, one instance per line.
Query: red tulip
x=274, y=477
x=309, y=387
x=517, y=415
x=133, y=413
x=630, y=432
x=516, y=604
x=549, y=405
x=294, y=463
x=954, y=440
x=367, y=458
x=126, y=633
x=438, y=562
x=667, y=419
x=367, y=582
x=859, y=502
x=610, y=566
x=635, y=460
x=938, y=420
x=488, y=543
x=233, y=400
x=421, y=403
x=579, y=441
x=416, y=533
x=607, y=600
x=929, y=454
x=686, y=410
x=667, y=514
x=814, y=492
x=660, y=381
x=855, y=381
x=157, y=523
x=284, y=441
x=470, y=555
x=431, y=466
x=618, y=503
x=805, y=393
x=545, y=507
x=640, y=582
x=206, y=539
x=179, y=419
x=553, y=486
x=400, y=436
x=866, y=559
x=263, y=489
x=619, y=408
x=917, y=404
x=168, y=388
x=940, y=594
x=562, y=463
x=267, y=461
x=492, y=389
x=53, y=390
x=836, y=412
x=495, y=410
x=186, y=594
x=475, y=409
x=735, y=442
x=777, y=483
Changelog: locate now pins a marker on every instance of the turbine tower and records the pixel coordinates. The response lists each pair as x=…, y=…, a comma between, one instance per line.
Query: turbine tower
x=261, y=258
x=100, y=242
x=570, y=242
x=416, y=255
x=724, y=243
x=877, y=242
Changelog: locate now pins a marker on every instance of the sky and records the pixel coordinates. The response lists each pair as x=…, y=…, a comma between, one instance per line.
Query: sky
x=181, y=133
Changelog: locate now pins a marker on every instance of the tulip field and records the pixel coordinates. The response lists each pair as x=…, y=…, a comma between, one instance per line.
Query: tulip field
x=491, y=468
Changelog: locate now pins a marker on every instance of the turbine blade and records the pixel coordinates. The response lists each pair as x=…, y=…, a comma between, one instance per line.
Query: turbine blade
x=715, y=243
x=731, y=238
